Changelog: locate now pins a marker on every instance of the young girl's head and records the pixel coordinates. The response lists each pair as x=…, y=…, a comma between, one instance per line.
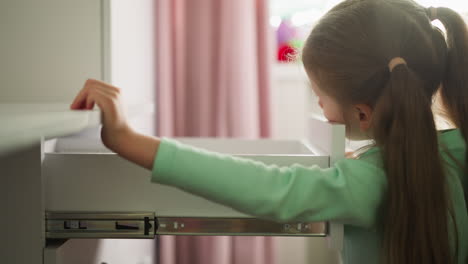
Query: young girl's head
x=348, y=53
x=375, y=66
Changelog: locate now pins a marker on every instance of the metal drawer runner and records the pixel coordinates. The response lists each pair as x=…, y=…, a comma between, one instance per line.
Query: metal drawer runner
x=63, y=225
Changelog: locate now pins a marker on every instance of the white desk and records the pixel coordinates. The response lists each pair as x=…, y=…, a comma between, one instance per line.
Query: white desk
x=23, y=128
x=23, y=125
x=40, y=177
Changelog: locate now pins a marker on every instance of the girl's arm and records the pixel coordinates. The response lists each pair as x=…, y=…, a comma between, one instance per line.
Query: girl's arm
x=350, y=192
x=116, y=134
x=137, y=148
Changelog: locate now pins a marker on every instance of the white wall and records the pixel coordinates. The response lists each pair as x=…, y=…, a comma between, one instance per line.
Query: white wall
x=133, y=58
x=291, y=101
x=48, y=48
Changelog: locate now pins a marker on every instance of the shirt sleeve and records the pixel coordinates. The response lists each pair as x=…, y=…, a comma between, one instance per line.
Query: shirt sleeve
x=350, y=192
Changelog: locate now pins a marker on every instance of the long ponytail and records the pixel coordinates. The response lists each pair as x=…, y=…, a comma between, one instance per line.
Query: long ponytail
x=454, y=90
x=415, y=220
x=455, y=83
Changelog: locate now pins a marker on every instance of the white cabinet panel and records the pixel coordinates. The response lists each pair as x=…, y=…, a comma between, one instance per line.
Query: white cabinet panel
x=48, y=48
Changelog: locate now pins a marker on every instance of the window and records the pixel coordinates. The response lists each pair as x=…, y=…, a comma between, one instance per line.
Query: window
x=292, y=21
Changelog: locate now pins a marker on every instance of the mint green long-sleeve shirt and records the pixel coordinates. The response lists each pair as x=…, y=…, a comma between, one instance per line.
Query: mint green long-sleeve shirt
x=350, y=192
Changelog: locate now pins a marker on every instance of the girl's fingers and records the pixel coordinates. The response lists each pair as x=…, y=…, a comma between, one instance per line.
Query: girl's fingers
x=96, y=97
x=89, y=102
x=109, y=92
x=107, y=98
x=80, y=99
x=82, y=105
x=88, y=96
x=103, y=86
x=106, y=86
x=102, y=99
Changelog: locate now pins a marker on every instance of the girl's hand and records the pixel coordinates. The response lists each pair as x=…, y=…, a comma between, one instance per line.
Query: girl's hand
x=107, y=97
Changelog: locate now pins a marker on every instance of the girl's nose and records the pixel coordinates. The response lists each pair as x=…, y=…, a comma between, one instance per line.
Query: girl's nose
x=320, y=104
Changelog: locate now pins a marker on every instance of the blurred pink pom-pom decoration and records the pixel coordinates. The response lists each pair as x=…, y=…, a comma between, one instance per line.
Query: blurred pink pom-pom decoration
x=288, y=42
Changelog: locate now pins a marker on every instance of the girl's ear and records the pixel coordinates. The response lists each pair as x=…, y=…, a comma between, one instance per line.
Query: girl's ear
x=364, y=115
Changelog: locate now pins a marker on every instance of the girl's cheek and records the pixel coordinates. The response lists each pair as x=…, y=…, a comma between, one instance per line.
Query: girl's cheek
x=329, y=116
x=334, y=116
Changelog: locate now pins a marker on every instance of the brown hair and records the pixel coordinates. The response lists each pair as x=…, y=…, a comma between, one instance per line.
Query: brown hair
x=454, y=92
x=348, y=53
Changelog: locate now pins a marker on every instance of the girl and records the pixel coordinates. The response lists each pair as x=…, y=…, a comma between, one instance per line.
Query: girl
x=375, y=65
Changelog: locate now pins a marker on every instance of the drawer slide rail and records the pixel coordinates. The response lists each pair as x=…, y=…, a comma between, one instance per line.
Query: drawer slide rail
x=64, y=225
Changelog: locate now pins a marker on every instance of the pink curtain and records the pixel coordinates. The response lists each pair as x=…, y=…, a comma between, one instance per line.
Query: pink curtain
x=213, y=60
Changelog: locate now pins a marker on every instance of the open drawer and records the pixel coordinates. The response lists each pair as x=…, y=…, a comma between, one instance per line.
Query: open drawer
x=92, y=192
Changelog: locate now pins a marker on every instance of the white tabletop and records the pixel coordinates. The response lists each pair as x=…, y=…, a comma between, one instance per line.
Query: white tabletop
x=22, y=125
